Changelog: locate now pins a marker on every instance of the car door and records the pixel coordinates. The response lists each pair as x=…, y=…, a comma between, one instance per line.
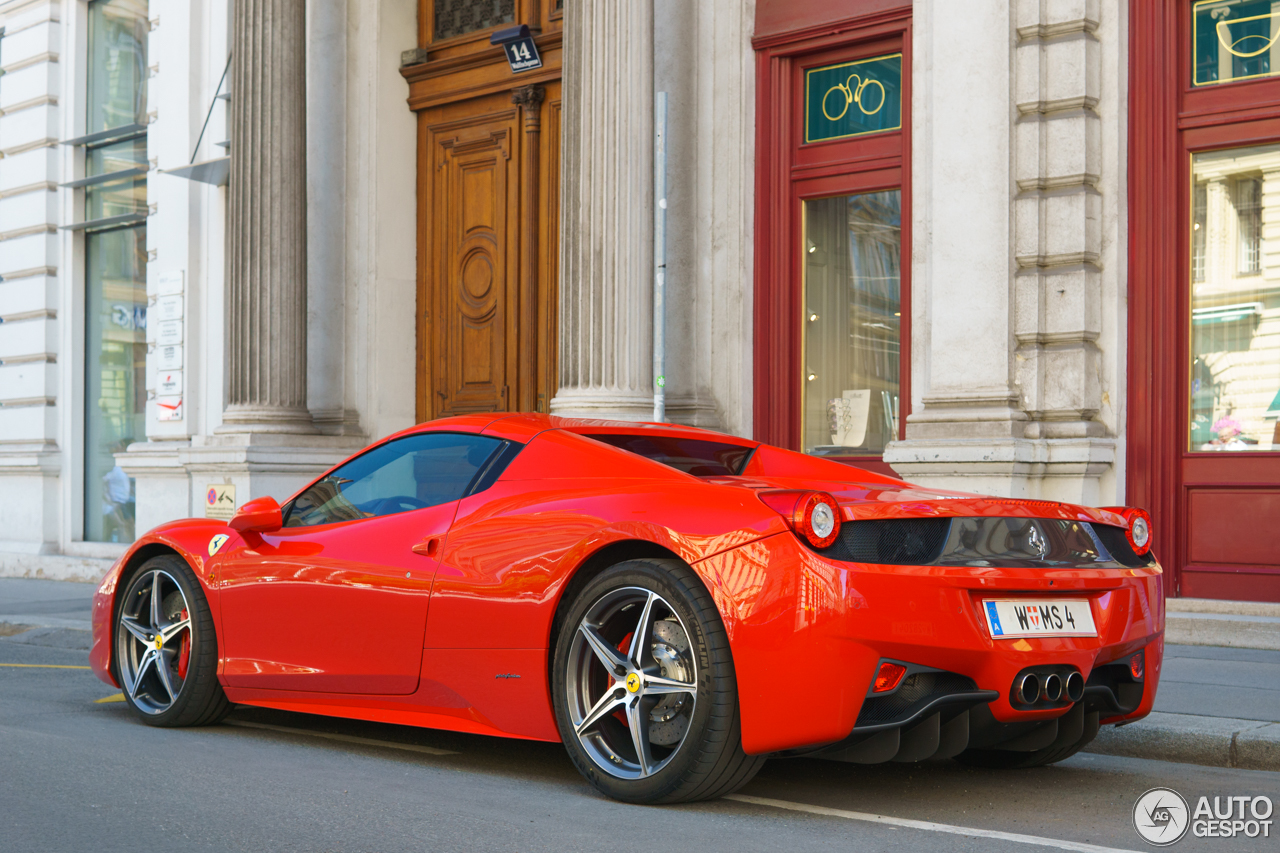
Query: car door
x=336, y=600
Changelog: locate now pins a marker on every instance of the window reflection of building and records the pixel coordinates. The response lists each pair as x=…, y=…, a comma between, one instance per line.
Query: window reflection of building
x=1235, y=311
x=852, y=318
x=115, y=257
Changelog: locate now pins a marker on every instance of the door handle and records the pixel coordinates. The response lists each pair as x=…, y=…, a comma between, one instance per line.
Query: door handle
x=427, y=547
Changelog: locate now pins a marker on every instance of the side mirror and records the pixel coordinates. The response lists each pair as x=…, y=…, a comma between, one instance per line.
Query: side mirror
x=260, y=515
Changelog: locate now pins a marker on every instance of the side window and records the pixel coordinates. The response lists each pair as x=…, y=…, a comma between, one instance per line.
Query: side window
x=409, y=473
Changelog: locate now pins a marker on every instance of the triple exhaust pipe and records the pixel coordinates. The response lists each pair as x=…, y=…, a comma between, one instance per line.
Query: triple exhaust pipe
x=1033, y=689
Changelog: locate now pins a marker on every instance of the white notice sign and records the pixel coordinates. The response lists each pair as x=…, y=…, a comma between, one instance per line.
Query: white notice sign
x=169, y=358
x=169, y=307
x=169, y=283
x=169, y=383
x=168, y=408
x=220, y=501
x=168, y=332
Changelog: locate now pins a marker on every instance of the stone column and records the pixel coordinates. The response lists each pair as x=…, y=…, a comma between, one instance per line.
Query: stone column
x=606, y=233
x=267, y=220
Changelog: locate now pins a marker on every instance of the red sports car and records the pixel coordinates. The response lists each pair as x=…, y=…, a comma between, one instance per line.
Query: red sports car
x=673, y=604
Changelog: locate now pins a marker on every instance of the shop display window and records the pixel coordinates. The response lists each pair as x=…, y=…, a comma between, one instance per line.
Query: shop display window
x=1235, y=300
x=852, y=322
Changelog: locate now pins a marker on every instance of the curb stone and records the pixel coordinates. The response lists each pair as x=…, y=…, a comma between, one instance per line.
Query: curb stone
x=1190, y=739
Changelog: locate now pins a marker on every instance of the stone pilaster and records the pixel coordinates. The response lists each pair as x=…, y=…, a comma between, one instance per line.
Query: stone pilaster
x=1018, y=320
x=267, y=220
x=606, y=242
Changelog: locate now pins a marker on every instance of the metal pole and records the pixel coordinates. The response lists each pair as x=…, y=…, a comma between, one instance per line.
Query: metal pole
x=659, y=256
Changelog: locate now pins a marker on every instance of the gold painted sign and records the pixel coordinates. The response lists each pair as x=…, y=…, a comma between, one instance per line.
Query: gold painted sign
x=853, y=98
x=1234, y=40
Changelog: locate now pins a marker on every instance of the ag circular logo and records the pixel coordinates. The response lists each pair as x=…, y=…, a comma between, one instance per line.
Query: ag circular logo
x=1161, y=816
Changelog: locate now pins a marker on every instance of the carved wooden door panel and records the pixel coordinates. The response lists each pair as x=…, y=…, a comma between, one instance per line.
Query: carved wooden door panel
x=487, y=253
x=472, y=266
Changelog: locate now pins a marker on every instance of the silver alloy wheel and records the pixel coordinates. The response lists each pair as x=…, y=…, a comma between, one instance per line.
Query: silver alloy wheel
x=654, y=683
x=153, y=615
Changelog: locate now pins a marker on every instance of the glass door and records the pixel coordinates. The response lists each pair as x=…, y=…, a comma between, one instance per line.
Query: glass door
x=1231, y=437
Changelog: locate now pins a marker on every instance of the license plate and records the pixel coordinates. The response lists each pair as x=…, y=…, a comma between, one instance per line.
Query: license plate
x=1030, y=617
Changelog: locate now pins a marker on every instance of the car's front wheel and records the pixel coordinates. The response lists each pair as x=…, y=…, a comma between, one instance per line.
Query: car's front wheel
x=166, y=652
x=644, y=689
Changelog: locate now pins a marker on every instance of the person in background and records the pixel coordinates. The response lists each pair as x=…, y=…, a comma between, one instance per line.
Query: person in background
x=118, y=501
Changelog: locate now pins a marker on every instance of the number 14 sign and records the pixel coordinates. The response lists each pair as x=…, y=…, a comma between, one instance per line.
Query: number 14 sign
x=522, y=54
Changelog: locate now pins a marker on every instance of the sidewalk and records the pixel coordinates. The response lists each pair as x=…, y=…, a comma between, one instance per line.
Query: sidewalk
x=1218, y=705
x=52, y=612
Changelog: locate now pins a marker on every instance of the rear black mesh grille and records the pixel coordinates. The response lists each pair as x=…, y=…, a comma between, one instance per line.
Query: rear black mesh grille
x=896, y=542
x=1117, y=543
x=917, y=690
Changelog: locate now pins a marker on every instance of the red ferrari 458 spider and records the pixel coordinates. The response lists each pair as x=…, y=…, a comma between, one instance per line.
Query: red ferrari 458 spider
x=673, y=604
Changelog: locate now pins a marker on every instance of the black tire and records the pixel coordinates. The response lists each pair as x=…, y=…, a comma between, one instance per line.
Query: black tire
x=199, y=699
x=708, y=762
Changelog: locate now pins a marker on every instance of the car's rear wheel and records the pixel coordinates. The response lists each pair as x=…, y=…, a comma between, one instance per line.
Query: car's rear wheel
x=644, y=688
x=166, y=652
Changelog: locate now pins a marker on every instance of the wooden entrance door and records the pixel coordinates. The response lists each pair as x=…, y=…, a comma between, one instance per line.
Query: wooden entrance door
x=488, y=209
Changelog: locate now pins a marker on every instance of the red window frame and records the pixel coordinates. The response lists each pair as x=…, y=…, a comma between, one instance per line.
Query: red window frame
x=1169, y=121
x=788, y=172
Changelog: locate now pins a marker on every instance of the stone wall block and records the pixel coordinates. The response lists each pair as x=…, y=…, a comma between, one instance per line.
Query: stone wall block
x=1029, y=82
x=1070, y=70
x=1073, y=232
x=1071, y=149
x=1028, y=305
x=1071, y=388
x=1027, y=13
x=1027, y=209
x=1028, y=140
x=1072, y=309
x=1029, y=374
x=1066, y=12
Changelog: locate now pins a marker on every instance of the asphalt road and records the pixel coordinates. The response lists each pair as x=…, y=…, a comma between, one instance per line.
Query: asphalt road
x=76, y=774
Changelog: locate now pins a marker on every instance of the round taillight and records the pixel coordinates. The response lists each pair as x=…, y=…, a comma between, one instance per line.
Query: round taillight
x=818, y=519
x=1139, y=530
x=1141, y=533
x=1137, y=527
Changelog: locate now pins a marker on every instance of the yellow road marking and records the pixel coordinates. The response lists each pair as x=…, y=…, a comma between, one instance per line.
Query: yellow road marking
x=42, y=666
x=114, y=697
x=365, y=741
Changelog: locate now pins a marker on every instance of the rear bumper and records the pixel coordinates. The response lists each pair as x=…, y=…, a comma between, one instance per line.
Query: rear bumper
x=808, y=633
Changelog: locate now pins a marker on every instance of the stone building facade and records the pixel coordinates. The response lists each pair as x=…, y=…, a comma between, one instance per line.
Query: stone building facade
x=240, y=239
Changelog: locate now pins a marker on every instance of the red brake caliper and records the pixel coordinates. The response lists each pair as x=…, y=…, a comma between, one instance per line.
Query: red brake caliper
x=184, y=650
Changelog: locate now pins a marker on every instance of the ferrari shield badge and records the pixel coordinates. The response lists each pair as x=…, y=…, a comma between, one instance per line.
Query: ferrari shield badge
x=217, y=542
